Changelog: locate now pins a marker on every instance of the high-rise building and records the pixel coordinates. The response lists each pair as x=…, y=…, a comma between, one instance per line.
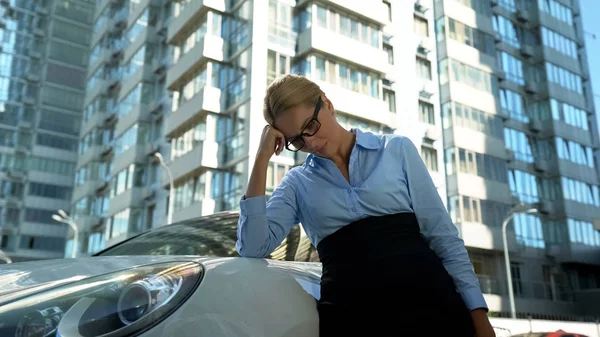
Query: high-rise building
x=509, y=119
x=520, y=127
x=188, y=79
x=43, y=58
x=116, y=181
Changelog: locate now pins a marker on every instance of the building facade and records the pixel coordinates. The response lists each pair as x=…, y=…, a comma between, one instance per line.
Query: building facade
x=187, y=79
x=43, y=59
x=495, y=94
x=519, y=126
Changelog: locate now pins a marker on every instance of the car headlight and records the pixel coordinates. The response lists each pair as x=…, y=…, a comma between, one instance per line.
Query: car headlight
x=112, y=305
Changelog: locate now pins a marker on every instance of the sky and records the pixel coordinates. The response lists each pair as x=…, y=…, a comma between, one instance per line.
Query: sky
x=590, y=10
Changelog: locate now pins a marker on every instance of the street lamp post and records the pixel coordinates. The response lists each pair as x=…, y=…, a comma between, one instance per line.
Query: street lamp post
x=64, y=218
x=5, y=257
x=161, y=161
x=519, y=209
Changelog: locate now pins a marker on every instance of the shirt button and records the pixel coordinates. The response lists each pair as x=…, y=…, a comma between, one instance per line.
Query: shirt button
x=354, y=210
x=349, y=191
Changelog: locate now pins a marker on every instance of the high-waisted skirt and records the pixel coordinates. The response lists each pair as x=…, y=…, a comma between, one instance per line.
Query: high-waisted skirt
x=380, y=278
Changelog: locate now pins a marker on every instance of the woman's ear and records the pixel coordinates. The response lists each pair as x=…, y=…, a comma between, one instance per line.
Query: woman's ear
x=328, y=103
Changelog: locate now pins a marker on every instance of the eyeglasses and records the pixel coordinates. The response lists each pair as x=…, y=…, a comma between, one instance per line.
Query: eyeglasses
x=296, y=143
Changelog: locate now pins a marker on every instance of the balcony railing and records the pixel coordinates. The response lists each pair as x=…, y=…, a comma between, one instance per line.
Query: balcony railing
x=530, y=290
x=282, y=35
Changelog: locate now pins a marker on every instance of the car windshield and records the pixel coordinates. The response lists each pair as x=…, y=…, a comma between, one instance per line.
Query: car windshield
x=209, y=236
x=213, y=235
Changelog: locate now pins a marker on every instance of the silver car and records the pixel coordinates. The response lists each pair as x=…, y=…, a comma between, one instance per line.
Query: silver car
x=179, y=280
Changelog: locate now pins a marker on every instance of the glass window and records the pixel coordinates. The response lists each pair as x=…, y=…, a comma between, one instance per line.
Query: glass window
x=65, y=31
x=390, y=98
x=421, y=26
x=423, y=68
x=512, y=66
x=426, y=113
x=430, y=158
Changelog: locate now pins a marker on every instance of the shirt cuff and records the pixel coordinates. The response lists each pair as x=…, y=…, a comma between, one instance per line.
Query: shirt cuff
x=474, y=299
x=254, y=205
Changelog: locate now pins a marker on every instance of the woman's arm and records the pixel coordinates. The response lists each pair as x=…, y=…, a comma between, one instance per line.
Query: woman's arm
x=440, y=233
x=263, y=225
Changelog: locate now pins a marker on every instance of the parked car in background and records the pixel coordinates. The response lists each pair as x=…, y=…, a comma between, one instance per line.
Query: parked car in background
x=559, y=333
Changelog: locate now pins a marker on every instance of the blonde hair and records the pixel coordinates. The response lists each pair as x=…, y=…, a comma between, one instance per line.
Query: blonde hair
x=286, y=92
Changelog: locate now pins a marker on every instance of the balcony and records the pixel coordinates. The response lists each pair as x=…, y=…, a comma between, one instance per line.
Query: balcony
x=478, y=187
x=87, y=222
x=478, y=235
x=137, y=154
x=372, y=10
x=209, y=47
x=138, y=113
x=143, y=73
x=97, y=120
x=359, y=105
x=131, y=198
x=161, y=105
x=573, y=252
x=190, y=112
x=200, y=208
x=99, y=88
x=576, y=171
x=88, y=188
x=190, y=16
x=205, y=155
x=101, y=5
x=48, y=203
x=119, y=20
x=581, y=211
x=103, y=57
x=98, y=34
x=139, y=8
x=146, y=36
x=329, y=42
x=94, y=153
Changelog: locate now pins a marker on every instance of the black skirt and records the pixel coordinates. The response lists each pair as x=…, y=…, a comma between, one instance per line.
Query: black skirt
x=380, y=278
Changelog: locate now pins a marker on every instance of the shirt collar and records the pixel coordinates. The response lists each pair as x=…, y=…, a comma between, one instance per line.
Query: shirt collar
x=365, y=140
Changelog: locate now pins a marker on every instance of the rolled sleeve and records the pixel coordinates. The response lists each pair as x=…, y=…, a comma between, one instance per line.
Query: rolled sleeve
x=437, y=227
x=253, y=206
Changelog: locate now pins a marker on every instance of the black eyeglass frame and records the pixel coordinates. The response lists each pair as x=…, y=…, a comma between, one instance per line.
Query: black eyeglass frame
x=300, y=137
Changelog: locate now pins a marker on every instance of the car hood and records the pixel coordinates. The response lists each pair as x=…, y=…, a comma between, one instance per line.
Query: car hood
x=24, y=278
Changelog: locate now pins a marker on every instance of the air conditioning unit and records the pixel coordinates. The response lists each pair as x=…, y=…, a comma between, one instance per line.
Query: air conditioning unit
x=522, y=15
x=527, y=50
x=532, y=88
x=541, y=165
x=35, y=54
x=501, y=74
x=32, y=77
x=515, y=200
x=149, y=194
x=510, y=154
x=546, y=207
x=535, y=125
x=28, y=100
x=432, y=133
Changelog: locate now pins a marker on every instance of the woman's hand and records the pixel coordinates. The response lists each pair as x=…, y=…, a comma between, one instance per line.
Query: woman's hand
x=483, y=327
x=272, y=142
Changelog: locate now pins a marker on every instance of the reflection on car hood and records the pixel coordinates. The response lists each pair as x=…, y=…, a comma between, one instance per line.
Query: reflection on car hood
x=20, y=279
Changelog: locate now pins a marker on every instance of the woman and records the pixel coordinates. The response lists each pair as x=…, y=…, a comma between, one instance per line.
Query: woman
x=393, y=263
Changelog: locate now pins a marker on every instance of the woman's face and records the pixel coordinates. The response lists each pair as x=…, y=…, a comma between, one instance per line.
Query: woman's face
x=312, y=129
